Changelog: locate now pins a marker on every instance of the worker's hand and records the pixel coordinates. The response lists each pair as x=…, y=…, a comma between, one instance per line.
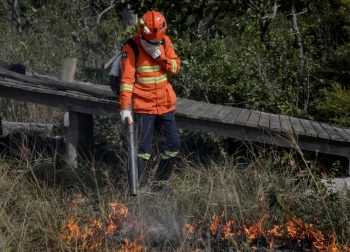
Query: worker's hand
x=125, y=114
x=151, y=49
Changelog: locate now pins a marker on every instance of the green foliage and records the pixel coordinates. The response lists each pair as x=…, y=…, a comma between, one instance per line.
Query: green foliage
x=231, y=71
x=336, y=105
x=240, y=53
x=108, y=132
x=53, y=30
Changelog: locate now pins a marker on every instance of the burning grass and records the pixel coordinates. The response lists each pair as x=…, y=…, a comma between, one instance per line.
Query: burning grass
x=263, y=204
x=220, y=234
x=293, y=235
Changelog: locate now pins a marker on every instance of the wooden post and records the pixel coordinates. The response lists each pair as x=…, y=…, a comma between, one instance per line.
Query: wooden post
x=68, y=69
x=78, y=126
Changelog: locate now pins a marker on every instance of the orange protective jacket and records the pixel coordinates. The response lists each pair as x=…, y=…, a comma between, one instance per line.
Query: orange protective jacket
x=144, y=80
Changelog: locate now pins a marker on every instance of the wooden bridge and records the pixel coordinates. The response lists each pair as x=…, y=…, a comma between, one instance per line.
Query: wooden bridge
x=83, y=100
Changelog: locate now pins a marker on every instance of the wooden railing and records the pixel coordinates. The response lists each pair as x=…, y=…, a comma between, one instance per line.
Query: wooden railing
x=82, y=100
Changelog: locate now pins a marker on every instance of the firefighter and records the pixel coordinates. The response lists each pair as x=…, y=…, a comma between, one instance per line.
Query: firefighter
x=145, y=86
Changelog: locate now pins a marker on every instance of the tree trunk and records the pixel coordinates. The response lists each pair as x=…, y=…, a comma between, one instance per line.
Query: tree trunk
x=129, y=17
x=303, y=74
x=297, y=35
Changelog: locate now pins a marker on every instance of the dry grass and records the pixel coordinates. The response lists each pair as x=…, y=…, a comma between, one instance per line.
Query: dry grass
x=17, y=111
x=34, y=209
x=33, y=213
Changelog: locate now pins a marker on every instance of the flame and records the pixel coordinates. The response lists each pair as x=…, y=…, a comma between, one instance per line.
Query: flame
x=72, y=230
x=275, y=233
x=256, y=231
x=215, y=220
x=93, y=234
x=295, y=229
x=91, y=237
x=190, y=229
x=117, y=215
x=227, y=227
x=220, y=228
x=129, y=246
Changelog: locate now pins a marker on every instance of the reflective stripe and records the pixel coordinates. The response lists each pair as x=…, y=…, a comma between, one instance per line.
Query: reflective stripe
x=149, y=69
x=173, y=62
x=152, y=80
x=145, y=156
x=126, y=87
x=169, y=154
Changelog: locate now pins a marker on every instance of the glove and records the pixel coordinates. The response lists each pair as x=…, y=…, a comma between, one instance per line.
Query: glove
x=126, y=114
x=153, y=50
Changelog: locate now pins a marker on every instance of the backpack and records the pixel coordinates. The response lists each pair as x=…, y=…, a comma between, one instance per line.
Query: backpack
x=115, y=74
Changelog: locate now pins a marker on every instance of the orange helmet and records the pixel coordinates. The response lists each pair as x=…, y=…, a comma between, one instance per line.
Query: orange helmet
x=153, y=26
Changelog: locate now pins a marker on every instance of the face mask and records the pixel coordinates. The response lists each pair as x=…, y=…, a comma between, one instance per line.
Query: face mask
x=151, y=49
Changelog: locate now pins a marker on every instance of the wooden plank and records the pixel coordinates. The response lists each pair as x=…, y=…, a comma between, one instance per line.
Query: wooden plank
x=286, y=127
x=296, y=125
x=198, y=109
x=188, y=104
x=275, y=123
x=346, y=130
x=320, y=131
x=60, y=99
x=342, y=132
x=256, y=135
x=211, y=113
x=243, y=116
x=309, y=129
x=332, y=132
x=183, y=105
x=100, y=91
x=222, y=114
x=232, y=115
x=191, y=107
x=264, y=120
x=253, y=120
x=179, y=101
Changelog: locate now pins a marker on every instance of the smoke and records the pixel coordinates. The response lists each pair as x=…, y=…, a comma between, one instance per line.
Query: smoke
x=154, y=220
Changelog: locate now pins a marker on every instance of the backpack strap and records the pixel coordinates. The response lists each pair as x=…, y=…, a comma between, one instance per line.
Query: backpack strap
x=133, y=45
x=163, y=43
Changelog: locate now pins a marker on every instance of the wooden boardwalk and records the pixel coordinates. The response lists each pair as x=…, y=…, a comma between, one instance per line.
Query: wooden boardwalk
x=243, y=124
x=257, y=126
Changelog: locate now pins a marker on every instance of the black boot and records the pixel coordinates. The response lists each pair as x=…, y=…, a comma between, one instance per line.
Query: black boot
x=142, y=172
x=165, y=169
